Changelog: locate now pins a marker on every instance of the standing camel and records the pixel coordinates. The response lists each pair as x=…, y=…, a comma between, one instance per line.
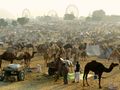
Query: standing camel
x=98, y=69
x=27, y=57
x=51, y=53
x=7, y=56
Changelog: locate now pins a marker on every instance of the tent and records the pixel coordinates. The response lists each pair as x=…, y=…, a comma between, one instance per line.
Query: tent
x=93, y=50
x=105, y=53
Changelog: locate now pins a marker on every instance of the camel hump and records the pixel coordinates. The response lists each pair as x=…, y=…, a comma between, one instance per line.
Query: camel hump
x=93, y=60
x=10, y=50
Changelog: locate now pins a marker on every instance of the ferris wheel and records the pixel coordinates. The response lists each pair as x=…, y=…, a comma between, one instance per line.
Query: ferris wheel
x=26, y=13
x=72, y=9
x=52, y=13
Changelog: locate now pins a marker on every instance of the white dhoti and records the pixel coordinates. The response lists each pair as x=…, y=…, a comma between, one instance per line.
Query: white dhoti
x=77, y=76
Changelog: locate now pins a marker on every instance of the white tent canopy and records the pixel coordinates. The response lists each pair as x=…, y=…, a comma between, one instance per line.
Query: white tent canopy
x=93, y=50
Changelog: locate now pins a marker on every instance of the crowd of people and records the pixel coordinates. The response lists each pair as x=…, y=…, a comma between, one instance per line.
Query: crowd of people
x=76, y=73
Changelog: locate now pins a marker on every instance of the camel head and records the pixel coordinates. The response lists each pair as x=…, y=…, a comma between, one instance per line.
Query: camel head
x=114, y=65
x=34, y=52
x=111, y=67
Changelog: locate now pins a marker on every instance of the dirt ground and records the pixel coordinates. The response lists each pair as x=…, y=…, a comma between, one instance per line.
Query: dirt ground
x=38, y=81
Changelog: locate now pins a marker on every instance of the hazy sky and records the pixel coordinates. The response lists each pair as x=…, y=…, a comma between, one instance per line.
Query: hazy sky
x=14, y=8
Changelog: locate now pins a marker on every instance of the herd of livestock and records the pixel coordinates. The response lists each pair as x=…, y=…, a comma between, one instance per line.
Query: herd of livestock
x=67, y=39
x=60, y=40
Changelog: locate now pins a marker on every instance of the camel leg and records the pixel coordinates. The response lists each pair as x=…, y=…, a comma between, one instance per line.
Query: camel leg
x=56, y=76
x=0, y=63
x=29, y=63
x=85, y=76
x=109, y=59
x=100, y=81
x=11, y=61
x=25, y=62
x=83, y=79
x=86, y=79
x=83, y=59
x=45, y=62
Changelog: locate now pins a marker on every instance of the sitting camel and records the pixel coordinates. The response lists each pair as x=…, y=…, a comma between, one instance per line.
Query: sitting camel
x=55, y=67
x=98, y=69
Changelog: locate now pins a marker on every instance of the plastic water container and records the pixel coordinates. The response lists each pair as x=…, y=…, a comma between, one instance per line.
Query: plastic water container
x=14, y=66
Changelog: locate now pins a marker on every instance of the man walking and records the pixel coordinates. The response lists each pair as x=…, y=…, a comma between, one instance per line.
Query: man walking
x=65, y=71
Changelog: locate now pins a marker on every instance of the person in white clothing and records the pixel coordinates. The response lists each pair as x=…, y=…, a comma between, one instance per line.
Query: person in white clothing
x=39, y=70
x=77, y=72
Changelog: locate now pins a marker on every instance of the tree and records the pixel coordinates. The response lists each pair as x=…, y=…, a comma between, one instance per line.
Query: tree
x=88, y=18
x=3, y=23
x=14, y=23
x=98, y=15
x=22, y=21
x=69, y=17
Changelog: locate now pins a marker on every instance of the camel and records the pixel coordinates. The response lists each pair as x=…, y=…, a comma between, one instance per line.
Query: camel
x=27, y=57
x=75, y=53
x=83, y=46
x=51, y=53
x=48, y=56
x=59, y=43
x=55, y=67
x=68, y=48
x=7, y=56
x=114, y=54
x=98, y=69
x=83, y=55
x=29, y=45
x=62, y=52
x=42, y=48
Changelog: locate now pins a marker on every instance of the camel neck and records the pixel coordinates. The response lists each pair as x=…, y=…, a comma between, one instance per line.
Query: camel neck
x=108, y=69
x=32, y=55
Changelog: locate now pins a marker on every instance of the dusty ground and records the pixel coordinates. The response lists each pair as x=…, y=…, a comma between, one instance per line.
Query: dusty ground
x=38, y=81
